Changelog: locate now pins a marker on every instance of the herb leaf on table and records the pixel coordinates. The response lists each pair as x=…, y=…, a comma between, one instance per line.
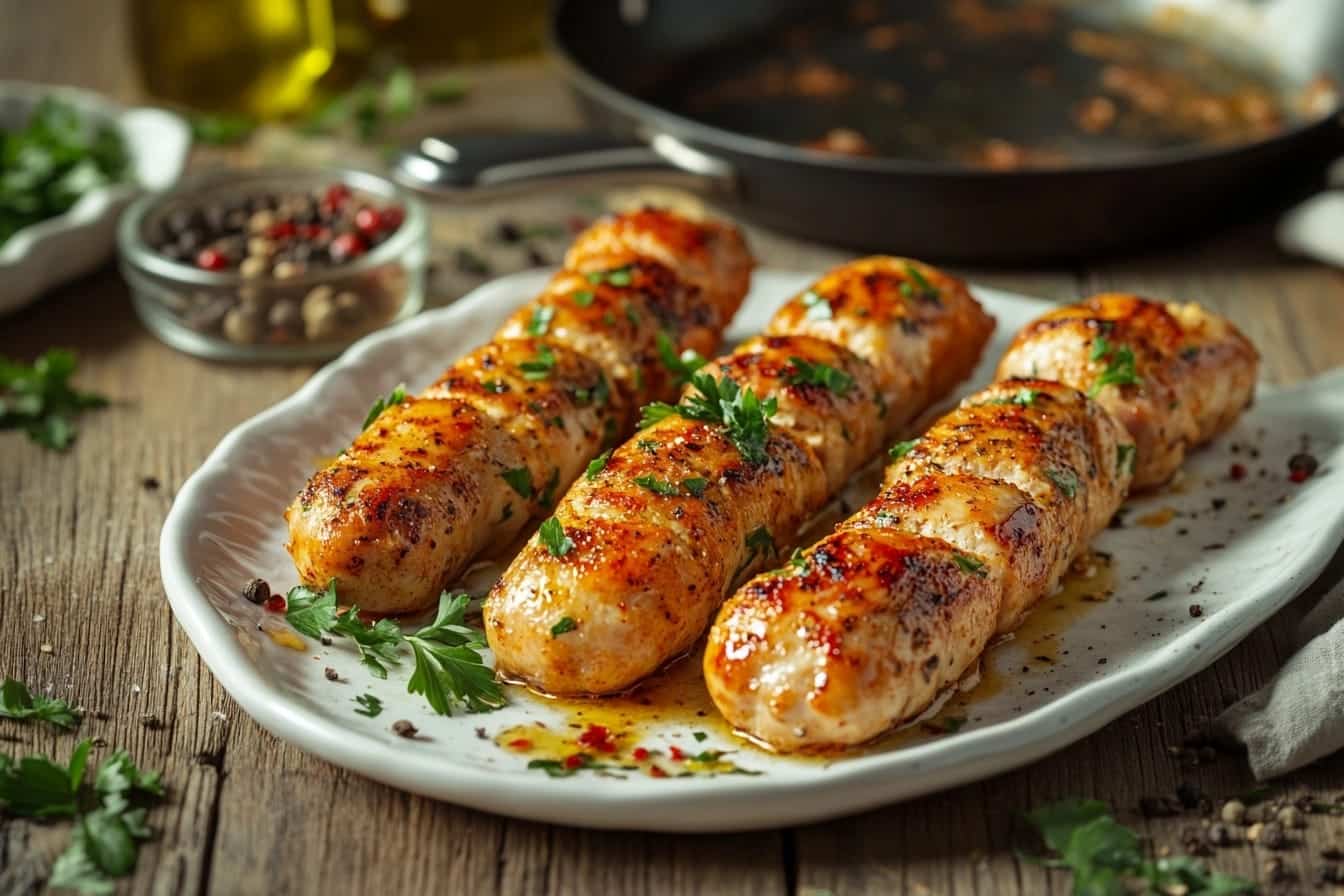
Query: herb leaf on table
x=17, y=703
x=40, y=400
x=1107, y=858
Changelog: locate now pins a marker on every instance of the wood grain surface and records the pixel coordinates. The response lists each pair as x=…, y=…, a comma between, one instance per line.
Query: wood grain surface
x=83, y=615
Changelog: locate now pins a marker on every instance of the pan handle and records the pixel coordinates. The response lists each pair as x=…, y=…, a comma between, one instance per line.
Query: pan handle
x=478, y=162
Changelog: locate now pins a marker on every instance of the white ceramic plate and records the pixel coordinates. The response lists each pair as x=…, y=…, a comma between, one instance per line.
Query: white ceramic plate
x=1085, y=662
x=61, y=248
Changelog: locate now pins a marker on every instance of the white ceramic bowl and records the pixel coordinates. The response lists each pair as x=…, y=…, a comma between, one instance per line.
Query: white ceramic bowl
x=68, y=245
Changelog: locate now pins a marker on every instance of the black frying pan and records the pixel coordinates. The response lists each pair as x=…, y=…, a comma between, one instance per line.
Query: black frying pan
x=675, y=80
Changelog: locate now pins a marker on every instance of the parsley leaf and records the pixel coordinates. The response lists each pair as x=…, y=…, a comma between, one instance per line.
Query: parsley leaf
x=1024, y=397
x=1124, y=457
x=1119, y=369
x=378, y=644
x=547, y=495
x=1065, y=480
x=540, y=367
x=449, y=668
x=683, y=365
x=553, y=536
x=656, y=485
x=584, y=297
x=39, y=399
x=901, y=449
x=541, y=320
x=395, y=397
x=695, y=485
x=566, y=624
x=1107, y=857
x=369, y=706
x=818, y=306
x=970, y=565
x=742, y=414
x=597, y=465
x=917, y=286
x=615, y=276
x=17, y=703
x=805, y=373
x=758, y=543
x=311, y=612
x=520, y=480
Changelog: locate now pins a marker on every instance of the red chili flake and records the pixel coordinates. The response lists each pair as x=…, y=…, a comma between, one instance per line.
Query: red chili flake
x=336, y=195
x=576, y=224
x=347, y=245
x=656, y=772
x=368, y=220
x=576, y=761
x=1302, y=466
x=312, y=231
x=275, y=603
x=212, y=260
x=391, y=217
x=640, y=754
x=1237, y=472
x=675, y=753
x=521, y=743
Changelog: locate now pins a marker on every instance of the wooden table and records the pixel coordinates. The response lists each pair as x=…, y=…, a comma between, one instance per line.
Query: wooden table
x=250, y=814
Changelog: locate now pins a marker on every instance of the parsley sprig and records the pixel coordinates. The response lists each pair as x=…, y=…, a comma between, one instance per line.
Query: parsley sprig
x=744, y=417
x=40, y=400
x=108, y=805
x=1119, y=369
x=682, y=366
x=393, y=398
x=1106, y=857
x=449, y=669
x=17, y=703
x=806, y=373
x=917, y=286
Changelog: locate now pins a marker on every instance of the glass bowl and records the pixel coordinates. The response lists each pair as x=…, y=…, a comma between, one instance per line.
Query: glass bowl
x=304, y=309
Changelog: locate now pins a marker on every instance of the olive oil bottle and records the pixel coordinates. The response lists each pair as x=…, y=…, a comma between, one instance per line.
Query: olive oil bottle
x=259, y=58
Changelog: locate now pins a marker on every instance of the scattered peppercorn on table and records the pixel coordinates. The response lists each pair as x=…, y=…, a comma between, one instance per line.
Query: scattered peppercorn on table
x=84, y=615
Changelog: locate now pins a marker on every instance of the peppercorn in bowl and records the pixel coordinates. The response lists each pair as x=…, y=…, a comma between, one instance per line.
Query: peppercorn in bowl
x=274, y=264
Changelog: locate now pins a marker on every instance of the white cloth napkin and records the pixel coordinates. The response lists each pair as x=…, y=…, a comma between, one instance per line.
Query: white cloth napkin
x=1299, y=716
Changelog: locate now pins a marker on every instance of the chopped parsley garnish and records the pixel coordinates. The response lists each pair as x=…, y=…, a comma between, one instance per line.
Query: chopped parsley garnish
x=566, y=624
x=615, y=276
x=917, y=286
x=1024, y=397
x=818, y=306
x=584, y=297
x=572, y=766
x=695, y=485
x=108, y=805
x=520, y=480
x=39, y=399
x=805, y=373
x=759, y=542
x=1119, y=370
x=541, y=320
x=656, y=485
x=548, y=492
x=1124, y=458
x=1106, y=857
x=632, y=315
x=369, y=705
x=901, y=449
x=1065, y=480
x=970, y=565
x=742, y=414
x=682, y=366
x=540, y=367
x=495, y=386
x=553, y=536
x=17, y=703
x=797, y=563
x=598, y=394
x=393, y=398
x=597, y=465
x=449, y=670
